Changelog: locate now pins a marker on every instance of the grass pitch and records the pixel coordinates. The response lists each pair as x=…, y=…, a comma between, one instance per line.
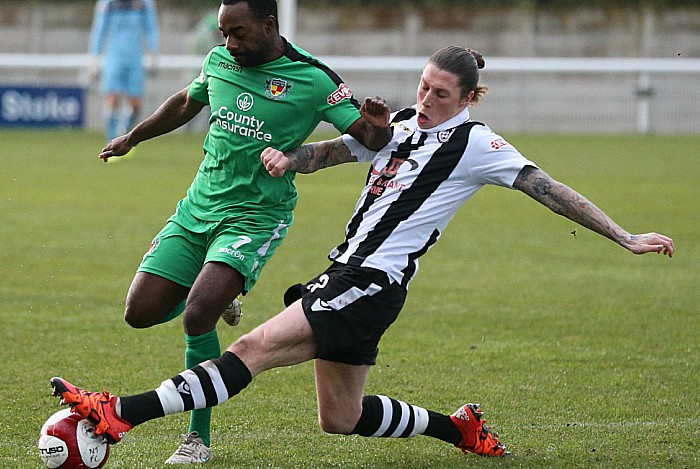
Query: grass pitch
x=581, y=354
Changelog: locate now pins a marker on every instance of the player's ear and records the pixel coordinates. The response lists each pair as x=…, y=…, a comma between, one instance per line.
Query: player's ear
x=467, y=99
x=271, y=24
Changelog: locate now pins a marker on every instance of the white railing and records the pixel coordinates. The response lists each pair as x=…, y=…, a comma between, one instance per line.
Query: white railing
x=396, y=64
x=640, y=71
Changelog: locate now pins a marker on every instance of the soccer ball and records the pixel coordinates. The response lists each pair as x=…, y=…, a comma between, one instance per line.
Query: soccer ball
x=68, y=441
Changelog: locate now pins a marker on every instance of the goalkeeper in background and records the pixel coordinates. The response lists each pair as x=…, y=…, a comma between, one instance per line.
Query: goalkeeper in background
x=126, y=33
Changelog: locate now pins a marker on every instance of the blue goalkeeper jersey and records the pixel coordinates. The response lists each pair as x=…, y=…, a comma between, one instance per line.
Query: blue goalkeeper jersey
x=122, y=28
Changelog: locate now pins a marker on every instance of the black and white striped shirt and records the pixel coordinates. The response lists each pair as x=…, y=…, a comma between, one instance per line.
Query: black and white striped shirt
x=415, y=186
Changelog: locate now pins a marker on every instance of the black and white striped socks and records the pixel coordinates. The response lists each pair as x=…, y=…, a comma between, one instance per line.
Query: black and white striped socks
x=384, y=417
x=208, y=384
x=215, y=381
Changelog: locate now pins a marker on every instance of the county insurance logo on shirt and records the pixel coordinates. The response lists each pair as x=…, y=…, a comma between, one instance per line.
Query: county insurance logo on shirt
x=244, y=102
x=276, y=88
x=241, y=123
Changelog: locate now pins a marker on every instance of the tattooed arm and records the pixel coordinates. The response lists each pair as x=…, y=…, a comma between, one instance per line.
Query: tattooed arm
x=566, y=202
x=372, y=130
x=307, y=158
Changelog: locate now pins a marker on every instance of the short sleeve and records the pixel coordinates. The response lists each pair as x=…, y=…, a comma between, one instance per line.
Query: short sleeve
x=199, y=86
x=492, y=160
x=358, y=150
x=337, y=105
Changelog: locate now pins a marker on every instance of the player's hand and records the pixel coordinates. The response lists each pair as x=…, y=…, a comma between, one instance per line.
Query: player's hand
x=274, y=161
x=120, y=146
x=376, y=112
x=651, y=242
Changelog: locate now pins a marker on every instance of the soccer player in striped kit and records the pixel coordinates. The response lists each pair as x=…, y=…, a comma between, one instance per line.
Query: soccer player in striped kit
x=437, y=159
x=258, y=90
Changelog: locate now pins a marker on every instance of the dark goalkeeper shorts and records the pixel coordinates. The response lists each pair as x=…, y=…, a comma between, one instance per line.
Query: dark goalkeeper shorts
x=349, y=308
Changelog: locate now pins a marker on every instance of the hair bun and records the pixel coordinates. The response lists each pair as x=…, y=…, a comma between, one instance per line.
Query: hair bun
x=480, y=62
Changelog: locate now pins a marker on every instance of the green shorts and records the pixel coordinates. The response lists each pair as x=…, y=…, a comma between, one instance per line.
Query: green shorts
x=245, y=242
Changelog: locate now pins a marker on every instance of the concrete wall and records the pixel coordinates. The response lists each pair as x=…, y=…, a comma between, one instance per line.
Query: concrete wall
x=406, y=29
x=514, y=31
x=561, y=103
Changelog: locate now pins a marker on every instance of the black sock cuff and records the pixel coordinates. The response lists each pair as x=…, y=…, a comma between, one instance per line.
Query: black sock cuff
x=371, y=416
x=440, y=426
x=141, y=408
x=234, y=372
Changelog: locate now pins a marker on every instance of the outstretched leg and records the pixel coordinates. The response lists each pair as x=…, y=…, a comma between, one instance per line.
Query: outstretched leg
x=284, y=340
x=343, y=409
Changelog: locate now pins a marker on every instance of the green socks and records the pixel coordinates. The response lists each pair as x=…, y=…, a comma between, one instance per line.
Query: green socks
x=201, y=348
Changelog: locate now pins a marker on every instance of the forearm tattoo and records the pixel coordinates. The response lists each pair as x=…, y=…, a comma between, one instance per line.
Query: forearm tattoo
x=314, y=156
x=567, y=202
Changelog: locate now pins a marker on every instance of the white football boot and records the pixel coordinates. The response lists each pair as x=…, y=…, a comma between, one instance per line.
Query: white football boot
x=191, y=451
x=233, y=312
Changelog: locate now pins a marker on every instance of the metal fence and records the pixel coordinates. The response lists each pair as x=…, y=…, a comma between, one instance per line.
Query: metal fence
x=542, y=95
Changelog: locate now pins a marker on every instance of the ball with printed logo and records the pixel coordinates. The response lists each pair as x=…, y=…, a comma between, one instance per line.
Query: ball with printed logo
x=68, y=441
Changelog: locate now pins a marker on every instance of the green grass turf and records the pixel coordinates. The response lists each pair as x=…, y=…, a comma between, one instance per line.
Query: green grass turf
x=581, y=354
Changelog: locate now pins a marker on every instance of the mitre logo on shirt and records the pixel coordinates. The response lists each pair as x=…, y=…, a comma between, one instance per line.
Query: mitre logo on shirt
x=340, y=94
x=277, y=88
x=183, y=388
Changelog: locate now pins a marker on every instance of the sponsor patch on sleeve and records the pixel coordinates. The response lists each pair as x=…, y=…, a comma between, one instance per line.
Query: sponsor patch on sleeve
x=343, y=92
x=498, y=143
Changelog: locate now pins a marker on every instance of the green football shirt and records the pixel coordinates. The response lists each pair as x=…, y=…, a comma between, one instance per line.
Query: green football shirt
x=277, y=104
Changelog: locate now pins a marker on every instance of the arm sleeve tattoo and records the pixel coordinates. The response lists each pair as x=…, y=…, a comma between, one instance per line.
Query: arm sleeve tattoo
x=318, y=155
x=567, y=202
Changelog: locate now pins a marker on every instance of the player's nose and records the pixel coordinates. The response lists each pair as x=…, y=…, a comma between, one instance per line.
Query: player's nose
x=232, y=43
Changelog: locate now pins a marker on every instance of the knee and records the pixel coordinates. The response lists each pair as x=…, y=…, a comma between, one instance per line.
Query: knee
x=246, y=345
x=199, y=320
x=139, y=315
x=336, y=423
x=135, y=318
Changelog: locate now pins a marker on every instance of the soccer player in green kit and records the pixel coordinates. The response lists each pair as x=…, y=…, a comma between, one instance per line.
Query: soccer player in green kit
x=262, y=91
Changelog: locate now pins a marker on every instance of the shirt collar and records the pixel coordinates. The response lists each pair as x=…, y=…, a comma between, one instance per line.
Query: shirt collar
x=460, y=118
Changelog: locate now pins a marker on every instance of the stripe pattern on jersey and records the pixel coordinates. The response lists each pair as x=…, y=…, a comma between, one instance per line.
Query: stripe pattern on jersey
x=436, y=171
x=388, y=173
x=402, y=115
